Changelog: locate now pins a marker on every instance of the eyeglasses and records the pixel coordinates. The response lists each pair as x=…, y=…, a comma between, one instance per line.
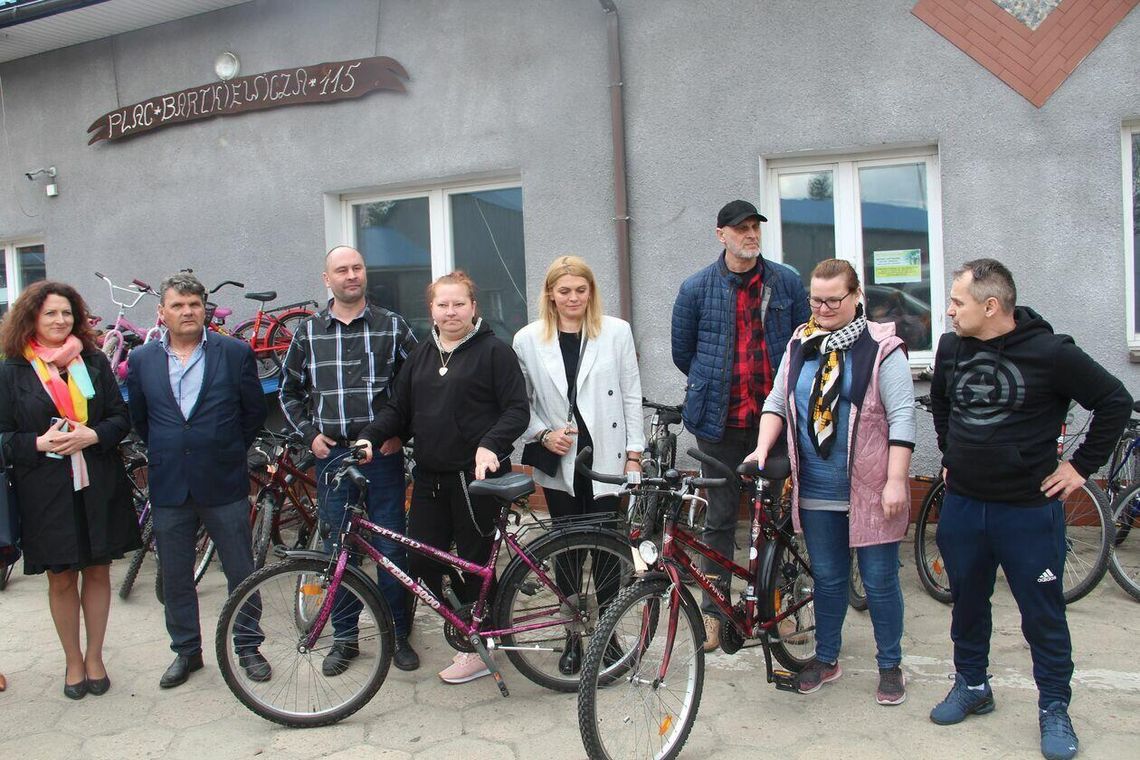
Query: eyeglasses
x=831, y=303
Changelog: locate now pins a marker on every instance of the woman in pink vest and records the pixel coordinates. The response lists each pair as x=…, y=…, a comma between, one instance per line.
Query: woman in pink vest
x=844, y=396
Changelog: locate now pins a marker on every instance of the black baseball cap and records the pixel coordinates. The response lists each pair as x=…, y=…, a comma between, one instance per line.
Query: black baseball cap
x=736, y=212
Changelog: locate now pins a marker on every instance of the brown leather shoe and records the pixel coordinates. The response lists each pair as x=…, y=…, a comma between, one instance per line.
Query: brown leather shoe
x=712, y=632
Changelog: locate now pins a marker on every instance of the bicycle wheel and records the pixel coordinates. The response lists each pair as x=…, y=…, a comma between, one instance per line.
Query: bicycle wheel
x=927, y=557
x=639, y=714
x=592, y=564
x=1124, y=563
x=1088, y=539
x=306, y=606
x=856, y=594
x=791, y=584
x=298, y=693
x=284, y=327
x=137, y=559
x=267, y=365
x=263, y=528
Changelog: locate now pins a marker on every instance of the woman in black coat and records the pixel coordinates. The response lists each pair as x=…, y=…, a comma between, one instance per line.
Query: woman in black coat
x=61, y=420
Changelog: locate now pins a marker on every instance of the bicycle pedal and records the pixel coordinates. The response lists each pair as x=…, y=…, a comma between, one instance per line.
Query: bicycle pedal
x=784, y=680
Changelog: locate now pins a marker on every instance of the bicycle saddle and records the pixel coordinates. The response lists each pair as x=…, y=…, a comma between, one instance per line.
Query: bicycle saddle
x=776, y=468
x=268, y=295
x=669, y=417
x=511, y=486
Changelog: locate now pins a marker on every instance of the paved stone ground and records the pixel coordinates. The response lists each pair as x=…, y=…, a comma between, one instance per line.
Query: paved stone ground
x=415, y=715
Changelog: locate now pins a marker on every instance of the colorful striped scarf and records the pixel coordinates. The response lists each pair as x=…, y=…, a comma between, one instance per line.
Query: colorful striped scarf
x=70, y=398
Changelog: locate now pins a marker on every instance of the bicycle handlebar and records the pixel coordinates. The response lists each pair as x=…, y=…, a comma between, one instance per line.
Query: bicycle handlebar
x=141, y=285
x=224, y=283
x=660, y=407
x=620, y=480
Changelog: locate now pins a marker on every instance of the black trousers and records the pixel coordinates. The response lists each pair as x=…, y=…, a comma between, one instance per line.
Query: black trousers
x=605, y=576
x=439, y=517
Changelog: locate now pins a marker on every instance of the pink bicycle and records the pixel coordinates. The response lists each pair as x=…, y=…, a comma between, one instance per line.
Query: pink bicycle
x=122, y=335
x=548, y=597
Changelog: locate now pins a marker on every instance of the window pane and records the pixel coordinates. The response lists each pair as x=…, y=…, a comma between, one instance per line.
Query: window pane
x=1136, y=227
x=395, y=239
x=807, y=220
x=896, y=250
x=30, y=259
x=487, y=230
x=3, y=282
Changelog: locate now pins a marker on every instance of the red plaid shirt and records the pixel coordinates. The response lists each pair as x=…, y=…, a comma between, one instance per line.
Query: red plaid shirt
x=751, y=368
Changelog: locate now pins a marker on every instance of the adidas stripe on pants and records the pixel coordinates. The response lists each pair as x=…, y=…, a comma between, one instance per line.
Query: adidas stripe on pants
x=975, y=537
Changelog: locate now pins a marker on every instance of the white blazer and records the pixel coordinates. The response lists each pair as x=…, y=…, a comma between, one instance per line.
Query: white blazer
x=609, y=398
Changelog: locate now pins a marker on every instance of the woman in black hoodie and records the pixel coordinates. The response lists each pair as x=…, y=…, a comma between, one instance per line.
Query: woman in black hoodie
x=462, y=397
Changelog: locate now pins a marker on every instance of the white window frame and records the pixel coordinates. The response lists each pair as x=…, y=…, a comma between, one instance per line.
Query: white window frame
x=848, y=242
x=1133, y=329
x=12, y=264
x=439, y=214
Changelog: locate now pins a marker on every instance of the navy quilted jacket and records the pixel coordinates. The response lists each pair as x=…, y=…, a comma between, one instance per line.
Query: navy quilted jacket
x=704, y=335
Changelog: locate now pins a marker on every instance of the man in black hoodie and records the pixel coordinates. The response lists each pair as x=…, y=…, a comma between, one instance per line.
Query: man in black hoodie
x=1001, y=389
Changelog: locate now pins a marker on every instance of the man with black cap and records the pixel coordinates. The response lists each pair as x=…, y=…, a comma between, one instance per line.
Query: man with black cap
x=731, y=323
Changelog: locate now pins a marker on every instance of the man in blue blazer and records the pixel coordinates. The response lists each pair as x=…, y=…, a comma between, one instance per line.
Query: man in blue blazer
x=197, y=404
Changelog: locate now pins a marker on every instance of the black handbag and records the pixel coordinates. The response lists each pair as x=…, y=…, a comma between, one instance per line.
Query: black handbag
x=534, y=453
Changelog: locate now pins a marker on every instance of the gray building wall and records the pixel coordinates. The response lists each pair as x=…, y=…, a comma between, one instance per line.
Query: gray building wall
x=501, y=87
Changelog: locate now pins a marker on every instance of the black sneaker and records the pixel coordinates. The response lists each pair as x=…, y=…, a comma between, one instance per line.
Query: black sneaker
x=405, y=657
x=336, y=661
x=892, y=686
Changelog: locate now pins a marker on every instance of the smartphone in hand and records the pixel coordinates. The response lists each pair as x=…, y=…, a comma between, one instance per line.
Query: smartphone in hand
x=55, y=421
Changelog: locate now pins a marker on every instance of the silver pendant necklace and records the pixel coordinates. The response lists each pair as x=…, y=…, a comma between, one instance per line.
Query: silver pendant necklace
x=442, y=361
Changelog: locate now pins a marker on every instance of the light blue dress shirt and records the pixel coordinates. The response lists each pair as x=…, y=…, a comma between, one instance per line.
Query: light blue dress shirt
x=186, y=379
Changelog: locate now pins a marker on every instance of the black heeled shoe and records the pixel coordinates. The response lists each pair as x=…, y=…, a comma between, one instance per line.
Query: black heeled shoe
x=570, y=663
x=98, y=686
x=74, y=691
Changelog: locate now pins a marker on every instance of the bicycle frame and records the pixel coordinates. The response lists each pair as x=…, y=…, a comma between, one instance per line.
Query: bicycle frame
x=352, y=537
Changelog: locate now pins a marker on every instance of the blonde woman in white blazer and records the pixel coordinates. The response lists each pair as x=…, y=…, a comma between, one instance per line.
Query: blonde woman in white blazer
x=607, y=415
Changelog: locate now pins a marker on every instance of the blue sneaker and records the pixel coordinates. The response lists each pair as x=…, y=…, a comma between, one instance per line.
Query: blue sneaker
x=961, y=702
x=1058, y=740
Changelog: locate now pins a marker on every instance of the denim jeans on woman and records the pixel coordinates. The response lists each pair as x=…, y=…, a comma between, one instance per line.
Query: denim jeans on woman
x=826, y=533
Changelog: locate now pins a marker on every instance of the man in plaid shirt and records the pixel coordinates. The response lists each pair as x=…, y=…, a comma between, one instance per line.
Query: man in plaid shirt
x=338, y=372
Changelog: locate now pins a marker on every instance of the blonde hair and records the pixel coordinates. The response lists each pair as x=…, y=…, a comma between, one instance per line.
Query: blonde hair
x=559, y=268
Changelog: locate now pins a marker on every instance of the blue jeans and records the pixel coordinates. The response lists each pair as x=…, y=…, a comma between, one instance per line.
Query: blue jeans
x=176, y=533
x=975, y=537
x=385, y=508
x=826, y=534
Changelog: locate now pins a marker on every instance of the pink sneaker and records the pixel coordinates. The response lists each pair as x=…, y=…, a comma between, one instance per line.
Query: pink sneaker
x=466, y=666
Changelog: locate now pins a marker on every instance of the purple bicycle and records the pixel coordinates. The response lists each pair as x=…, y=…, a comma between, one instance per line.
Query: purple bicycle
x=549, y=596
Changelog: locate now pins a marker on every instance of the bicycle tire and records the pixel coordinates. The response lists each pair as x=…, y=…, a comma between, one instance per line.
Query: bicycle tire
x=137, y=559
x=1124, y=561
x=1088, y=540
x=263, y=528
x=790, y=583
x=521, y=594
x=265, y=360
x=856, y=594
x=281, y=332
x=298, y=694
x=927, y=556
x=637, y=714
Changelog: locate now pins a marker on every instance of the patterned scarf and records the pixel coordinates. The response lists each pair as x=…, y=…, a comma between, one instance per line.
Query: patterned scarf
x=70, y=398
x=823, y=403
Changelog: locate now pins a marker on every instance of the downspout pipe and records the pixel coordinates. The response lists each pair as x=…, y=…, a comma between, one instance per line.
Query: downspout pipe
x=30, y=11
x=621, y=183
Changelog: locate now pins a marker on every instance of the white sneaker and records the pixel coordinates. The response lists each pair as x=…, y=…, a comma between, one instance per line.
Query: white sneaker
x=464, y=667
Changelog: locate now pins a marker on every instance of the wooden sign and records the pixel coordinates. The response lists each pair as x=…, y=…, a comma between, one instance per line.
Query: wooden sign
x=322, y=83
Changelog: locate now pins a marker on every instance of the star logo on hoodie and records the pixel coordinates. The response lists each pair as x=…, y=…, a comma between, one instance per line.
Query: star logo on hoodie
x=986, y=388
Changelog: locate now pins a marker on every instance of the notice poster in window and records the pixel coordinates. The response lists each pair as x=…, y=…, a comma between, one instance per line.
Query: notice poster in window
x=898, y=266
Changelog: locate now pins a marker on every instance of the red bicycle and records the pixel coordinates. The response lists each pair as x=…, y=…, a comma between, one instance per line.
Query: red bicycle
x=270, y=331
